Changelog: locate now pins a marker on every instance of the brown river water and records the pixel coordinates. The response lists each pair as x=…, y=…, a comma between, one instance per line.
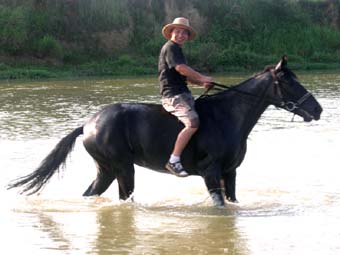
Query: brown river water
x=288, y=186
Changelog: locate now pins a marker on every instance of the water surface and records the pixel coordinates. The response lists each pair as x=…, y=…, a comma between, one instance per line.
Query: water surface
x=288, y=185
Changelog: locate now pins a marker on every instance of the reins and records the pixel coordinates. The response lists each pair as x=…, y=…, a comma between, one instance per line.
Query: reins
x=288, y=105
x=222, y=88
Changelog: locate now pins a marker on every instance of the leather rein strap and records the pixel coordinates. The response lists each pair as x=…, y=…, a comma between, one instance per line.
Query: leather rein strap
x=278, y=90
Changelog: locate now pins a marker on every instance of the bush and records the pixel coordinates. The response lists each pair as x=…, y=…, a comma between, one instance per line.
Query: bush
x=49, y=47
x=125, y=60
x=3, y=67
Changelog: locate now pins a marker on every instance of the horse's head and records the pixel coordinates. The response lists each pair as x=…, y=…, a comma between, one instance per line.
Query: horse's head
x=290, y=95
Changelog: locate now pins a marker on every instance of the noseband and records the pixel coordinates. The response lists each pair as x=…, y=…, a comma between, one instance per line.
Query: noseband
x=286, y=104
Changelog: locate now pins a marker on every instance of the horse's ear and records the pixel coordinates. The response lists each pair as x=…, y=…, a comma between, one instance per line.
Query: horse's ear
x=282, y=63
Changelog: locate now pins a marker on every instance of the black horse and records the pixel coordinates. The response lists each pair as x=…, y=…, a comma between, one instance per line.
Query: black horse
x=122, y=135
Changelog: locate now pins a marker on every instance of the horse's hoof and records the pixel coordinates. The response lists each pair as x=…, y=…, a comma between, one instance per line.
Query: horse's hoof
x=218, y=200
x=235, y=201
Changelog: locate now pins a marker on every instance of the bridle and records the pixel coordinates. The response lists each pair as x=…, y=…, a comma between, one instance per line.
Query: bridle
x=290, y=106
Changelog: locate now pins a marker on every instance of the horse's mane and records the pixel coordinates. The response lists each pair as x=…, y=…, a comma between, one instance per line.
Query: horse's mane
x=231, y=88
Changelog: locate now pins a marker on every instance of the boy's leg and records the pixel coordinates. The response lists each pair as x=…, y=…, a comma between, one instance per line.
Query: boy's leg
x=182, y=140
x=182, y=106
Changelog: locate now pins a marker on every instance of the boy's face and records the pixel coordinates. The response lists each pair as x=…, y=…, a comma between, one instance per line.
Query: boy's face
x=179, y=35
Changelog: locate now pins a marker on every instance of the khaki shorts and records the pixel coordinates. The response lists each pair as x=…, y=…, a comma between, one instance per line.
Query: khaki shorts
x=183, y=107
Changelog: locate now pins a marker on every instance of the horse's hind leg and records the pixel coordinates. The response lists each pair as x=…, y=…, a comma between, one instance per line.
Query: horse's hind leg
x=126, y=181
x=105, y=176
x=229, y=180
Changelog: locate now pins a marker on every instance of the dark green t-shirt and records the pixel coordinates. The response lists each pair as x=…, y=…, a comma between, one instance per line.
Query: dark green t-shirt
x=171, y=82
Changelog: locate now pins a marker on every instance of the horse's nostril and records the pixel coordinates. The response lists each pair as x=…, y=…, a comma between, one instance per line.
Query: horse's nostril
x=318, y=109
x=317, y=112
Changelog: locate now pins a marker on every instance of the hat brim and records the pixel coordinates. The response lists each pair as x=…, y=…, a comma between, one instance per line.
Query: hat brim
x=167, y=29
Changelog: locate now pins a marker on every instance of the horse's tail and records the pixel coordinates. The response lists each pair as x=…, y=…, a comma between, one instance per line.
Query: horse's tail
x=36, y=180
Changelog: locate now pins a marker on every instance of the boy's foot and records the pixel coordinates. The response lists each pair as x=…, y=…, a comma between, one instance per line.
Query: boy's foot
x=176, y=169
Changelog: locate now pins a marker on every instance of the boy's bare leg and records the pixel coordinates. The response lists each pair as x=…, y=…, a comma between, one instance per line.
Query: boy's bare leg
x=182, y=140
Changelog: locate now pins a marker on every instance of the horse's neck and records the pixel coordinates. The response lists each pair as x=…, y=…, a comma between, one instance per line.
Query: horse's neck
x=246, y=108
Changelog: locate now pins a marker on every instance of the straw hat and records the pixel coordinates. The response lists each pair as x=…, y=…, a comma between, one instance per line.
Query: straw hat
x=180, y=23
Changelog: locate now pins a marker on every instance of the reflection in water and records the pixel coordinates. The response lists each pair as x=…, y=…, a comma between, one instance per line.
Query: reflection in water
x=130, y=229
x=54, y=231
x=116, y=230
x=287, y=186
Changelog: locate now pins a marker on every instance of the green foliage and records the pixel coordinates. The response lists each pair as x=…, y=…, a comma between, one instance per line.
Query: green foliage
x=27, y=73
x=13, y=31
x=49, y=47
x=3, y=67
x=109, y=14
x=110, y=37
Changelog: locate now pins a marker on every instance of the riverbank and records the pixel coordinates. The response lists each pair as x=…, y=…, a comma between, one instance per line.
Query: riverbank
x=94, y=69
x=112, y=69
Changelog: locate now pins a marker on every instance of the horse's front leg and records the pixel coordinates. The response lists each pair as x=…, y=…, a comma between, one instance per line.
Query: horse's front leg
x=229, y=181
x=212, y=180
